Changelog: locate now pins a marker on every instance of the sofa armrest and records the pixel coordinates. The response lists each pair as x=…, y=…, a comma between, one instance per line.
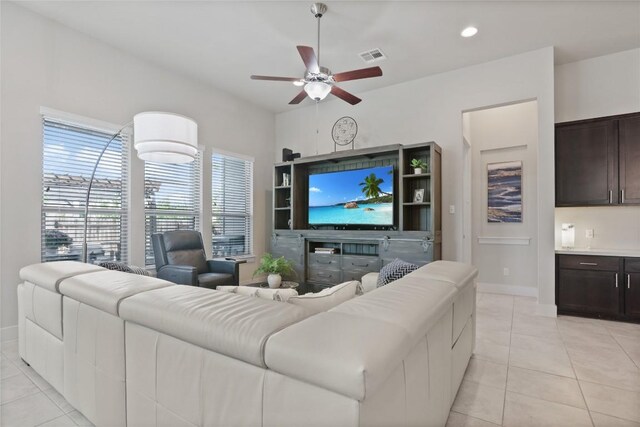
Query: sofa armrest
x=226, y=266
x=180, y=274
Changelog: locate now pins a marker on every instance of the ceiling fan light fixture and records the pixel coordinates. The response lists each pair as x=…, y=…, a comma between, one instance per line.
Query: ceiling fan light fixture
x=317, y=90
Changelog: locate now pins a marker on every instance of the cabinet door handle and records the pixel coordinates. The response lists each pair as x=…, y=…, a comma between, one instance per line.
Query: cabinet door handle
x=616, y=280
x=610, y=196
x=360, y=265
x=320, y=262
x=622, y=196
x=588, y=263
x=628, y=281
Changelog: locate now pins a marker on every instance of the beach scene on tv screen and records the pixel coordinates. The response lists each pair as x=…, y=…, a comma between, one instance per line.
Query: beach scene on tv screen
x=361, y=196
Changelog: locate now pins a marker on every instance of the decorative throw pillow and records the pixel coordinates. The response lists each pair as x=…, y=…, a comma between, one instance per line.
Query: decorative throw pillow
x=327, y=298
x=395, y=270
x=139, y=270
x=117, y=266
x=121, y=266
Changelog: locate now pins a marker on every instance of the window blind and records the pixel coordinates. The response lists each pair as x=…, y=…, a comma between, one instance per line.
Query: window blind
x=172, y=199
x=232, y=205
x=69, y=155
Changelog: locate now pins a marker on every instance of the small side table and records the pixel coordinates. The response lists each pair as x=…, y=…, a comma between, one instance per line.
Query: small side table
x=284, y=285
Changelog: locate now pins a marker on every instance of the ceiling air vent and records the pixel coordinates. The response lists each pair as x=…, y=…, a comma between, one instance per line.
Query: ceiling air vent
x=373, y=55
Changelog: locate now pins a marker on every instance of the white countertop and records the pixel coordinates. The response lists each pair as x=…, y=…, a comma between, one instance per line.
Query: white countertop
x=597, y=251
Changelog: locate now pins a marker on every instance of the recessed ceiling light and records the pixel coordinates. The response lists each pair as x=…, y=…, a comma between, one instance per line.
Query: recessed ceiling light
x=469, y=32
x=298, y=83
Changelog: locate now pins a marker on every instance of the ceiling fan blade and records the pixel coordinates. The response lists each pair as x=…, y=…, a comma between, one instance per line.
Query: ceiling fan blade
x=278, y=79
x=299, y=97
x=363, y=73
x=344, y=95
x=309, y=58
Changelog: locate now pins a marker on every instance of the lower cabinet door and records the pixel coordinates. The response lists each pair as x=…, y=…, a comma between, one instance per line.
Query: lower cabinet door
x=592, y=292
x=632, y=295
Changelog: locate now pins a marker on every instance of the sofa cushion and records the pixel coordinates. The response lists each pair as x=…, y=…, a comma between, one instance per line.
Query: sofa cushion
x=49, y=275
x=348, y=354
x=105, y=289
x=327, y=298
x=408, y=304
x=449, y=271
x=230, y=324
x=395, y=270
x=43, y=308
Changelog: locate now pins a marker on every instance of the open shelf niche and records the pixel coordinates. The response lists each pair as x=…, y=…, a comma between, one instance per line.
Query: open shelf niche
x=282, y=205
x=424, y=214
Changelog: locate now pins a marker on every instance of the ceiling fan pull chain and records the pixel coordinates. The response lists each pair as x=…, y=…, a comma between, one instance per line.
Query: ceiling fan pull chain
x=317, y=126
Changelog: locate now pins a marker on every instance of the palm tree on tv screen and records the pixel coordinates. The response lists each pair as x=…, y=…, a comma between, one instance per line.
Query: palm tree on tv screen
x=371, y=187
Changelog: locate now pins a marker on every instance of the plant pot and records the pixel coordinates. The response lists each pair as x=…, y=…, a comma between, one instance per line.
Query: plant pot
x=274, y=280
x=417, y=171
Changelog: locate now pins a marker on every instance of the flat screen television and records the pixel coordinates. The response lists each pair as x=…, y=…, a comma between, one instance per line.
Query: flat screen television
x=353, y=197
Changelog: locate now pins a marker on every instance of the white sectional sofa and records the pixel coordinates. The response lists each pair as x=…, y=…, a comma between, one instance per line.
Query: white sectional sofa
x=137, y=351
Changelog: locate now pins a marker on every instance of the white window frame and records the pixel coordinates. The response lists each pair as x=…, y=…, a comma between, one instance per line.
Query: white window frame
x=105, y=127
x=251, y=255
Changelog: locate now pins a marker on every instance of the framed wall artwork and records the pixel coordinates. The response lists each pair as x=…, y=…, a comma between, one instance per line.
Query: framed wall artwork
x=504, y=192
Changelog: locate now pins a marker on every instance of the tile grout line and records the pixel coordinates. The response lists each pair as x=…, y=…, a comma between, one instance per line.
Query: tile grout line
x=564, y=346
x=623, y=349
x=504, y=400
x=475, y=418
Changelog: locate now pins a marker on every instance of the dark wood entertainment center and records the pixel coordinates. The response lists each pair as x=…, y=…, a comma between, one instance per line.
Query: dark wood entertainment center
x=415, y=235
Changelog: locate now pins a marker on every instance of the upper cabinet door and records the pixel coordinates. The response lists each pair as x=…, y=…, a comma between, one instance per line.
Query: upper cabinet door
x=586, y=157
x=629, y=133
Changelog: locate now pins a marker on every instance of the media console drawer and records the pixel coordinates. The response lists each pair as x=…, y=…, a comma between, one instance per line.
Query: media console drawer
x=324, y=275
x=368, y=263
x=324, y=260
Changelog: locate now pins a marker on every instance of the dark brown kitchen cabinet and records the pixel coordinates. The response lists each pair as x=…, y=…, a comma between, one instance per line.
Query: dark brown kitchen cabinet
x=589, y=285
x=629, y=137
x=598, y=286
x=597, y=161
x=632, y=288
x=586, y=155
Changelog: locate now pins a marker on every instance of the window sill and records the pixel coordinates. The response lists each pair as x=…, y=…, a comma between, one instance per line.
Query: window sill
x=246, y=258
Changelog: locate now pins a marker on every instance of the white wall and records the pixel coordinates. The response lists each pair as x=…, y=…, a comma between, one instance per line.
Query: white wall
x=46, y=64
x=597, y=87
x=431, y=108
x=504, y=134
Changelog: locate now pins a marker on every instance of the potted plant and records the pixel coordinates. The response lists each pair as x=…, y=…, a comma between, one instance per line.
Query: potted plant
x=275, y=268
x=418, y=166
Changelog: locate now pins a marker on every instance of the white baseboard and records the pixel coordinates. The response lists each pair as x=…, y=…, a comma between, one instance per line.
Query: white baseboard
x=495, y=288
x=9, y=333
x=547, y=310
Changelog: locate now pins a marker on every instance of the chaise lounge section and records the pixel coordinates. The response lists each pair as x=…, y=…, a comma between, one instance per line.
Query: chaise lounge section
x=180, y=355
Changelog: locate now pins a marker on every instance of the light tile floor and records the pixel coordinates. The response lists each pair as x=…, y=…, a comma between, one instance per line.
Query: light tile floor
x=537, y=371
x=526, y=371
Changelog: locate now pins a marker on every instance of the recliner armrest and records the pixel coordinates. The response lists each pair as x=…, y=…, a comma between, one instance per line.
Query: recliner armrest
x=226, y=266
x=180, y=274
